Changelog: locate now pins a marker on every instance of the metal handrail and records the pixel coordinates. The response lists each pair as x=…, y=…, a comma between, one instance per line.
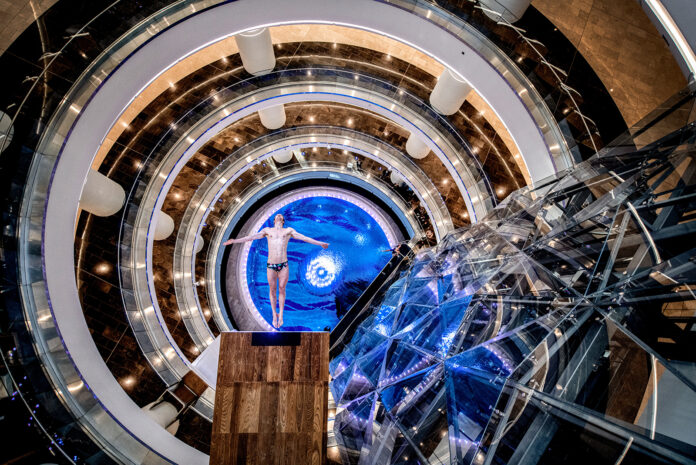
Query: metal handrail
x=359, y=311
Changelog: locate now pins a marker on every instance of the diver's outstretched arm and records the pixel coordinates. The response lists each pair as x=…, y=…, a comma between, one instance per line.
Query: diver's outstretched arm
x=259, y=235
x=300, y=237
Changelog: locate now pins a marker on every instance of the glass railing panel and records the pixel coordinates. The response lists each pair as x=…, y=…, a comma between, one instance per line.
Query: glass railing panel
x=111, y=433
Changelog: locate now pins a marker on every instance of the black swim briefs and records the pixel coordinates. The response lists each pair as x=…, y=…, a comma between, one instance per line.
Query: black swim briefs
x=276, y=266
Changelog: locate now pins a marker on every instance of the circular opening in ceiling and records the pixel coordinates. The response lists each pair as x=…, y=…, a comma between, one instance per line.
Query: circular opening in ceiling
x=323, y=283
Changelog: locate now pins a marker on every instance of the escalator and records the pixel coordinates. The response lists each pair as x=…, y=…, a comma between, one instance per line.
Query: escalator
x=402, y=255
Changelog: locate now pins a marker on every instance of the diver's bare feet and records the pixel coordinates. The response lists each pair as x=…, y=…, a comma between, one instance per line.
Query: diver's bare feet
x=280, y=320
x=275, y=320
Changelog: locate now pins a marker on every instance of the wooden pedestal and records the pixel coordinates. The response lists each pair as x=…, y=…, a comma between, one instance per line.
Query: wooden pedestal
x=271, y=399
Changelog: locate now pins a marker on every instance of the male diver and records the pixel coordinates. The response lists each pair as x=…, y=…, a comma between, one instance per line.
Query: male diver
x=277, y=270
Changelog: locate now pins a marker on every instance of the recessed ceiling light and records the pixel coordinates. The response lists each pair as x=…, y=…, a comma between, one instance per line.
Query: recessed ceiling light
x=103, y=268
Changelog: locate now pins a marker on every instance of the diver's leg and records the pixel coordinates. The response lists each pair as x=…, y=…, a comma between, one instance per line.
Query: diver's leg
x=283, y=276
x=272, y=287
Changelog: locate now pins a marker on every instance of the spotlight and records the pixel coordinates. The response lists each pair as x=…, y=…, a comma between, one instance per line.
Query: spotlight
x=103, y=268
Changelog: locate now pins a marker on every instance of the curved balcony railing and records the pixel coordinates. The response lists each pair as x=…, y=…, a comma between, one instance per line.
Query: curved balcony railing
x=468, y=31
x=75, y=423
x=456, y=149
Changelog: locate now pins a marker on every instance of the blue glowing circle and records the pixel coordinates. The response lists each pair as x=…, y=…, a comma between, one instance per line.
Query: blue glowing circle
x=322, y=271
x=319, y=277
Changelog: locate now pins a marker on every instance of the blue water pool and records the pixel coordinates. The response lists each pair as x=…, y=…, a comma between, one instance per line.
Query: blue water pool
x=322, y=282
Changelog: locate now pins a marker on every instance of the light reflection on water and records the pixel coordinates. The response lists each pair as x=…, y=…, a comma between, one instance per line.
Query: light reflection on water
x=323, y=270
x=317, y=276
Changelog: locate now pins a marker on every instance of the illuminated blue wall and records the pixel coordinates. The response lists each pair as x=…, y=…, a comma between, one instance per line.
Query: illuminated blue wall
x=317, y=276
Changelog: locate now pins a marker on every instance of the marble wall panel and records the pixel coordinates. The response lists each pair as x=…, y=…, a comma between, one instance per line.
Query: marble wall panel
x=624, y=49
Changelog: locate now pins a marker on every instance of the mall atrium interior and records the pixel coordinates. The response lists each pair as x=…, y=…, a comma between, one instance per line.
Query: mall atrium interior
x=507, y=188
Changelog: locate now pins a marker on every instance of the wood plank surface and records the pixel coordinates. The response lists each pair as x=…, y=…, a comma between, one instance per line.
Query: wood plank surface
x=271, y=401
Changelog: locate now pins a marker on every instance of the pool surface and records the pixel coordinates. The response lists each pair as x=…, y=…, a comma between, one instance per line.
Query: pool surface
x=320, y=277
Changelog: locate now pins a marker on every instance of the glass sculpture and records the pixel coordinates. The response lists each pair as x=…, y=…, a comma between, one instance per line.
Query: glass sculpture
x=558, y=329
